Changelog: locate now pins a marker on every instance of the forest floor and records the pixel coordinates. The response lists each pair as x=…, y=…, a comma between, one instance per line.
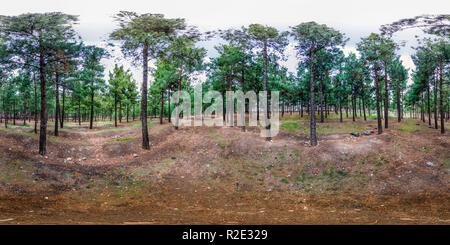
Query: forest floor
x=212, y=175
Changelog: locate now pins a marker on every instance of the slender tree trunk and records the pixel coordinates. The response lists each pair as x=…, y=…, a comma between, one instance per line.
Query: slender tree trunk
x=79, y=112
x=321, y=101
x=265, y=89
x=386, y=98
x=168, y=106
x=35, y=104
x=24, y=114
x=115, y=109
x=63, y=107
x=313, y=136
x=43, y=123
x=422, y=111
x=91, y=122
x=399, y=113
x=243, y=91
x=162, y=108
x=177, y=112
x=353, y=106
x=380, y=126
x=429, y=104
x=435, y=103
x=56, y=102
x=120, y=111
x=363, y=101
x=441, y=107
x=301, y=108
x=145, y=139
x=14, y=112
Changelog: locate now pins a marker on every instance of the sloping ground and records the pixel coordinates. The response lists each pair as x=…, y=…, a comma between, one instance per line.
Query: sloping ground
x=222, y=175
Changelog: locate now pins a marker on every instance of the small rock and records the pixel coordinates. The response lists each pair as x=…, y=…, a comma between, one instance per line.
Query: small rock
x=431, y=164
x=10, y=149
x=69, y=159
x=83, y=158
x=46, y=198
x=356, y=134
x=135, y=155
x=367, y=132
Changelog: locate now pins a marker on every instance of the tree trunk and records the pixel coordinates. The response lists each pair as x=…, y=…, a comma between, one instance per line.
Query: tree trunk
x=168, y=106
x=56, y=102
x=399, y=113
x=380, y=126
x=435, y=103
x=115, y=109
x=177, y=112
x=265, y=89
x=321, y=101
x=145, y=139
x=91, y=122
x=313, y=137
x=43, y=123
x=63, y=107
x=14, y=112
x=441, y=107
x=429, y=104
x=120, y=111
x=363, y=101
x=386, y=98
x=353, y=106
x=79, y=111
x=422, y=111
x=162, y=108
x=35, y=104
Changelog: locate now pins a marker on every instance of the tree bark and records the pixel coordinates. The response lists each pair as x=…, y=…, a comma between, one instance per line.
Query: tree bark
x=145, y=139
x=63, y=106
x=35, y=104
x=91, y=122
x=313, y=136
x=380, y=126
x=115, y=109
x=265, y=89
x=43, y=123
x=429, y=105
x=435, y=103
x=321, y=101
x=56, y=102
x=386, y=98
x=441, y=107
x=162, y=108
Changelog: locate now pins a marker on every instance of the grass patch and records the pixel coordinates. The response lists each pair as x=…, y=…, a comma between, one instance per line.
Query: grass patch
x=409, y=126
x=290, y=126
x=16, y=132
x=121, y=139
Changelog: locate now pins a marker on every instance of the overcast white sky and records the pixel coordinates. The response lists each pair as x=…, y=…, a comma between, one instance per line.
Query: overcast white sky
x=354, y=18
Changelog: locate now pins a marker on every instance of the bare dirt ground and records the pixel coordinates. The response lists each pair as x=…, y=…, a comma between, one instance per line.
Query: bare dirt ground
x=211, y=175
